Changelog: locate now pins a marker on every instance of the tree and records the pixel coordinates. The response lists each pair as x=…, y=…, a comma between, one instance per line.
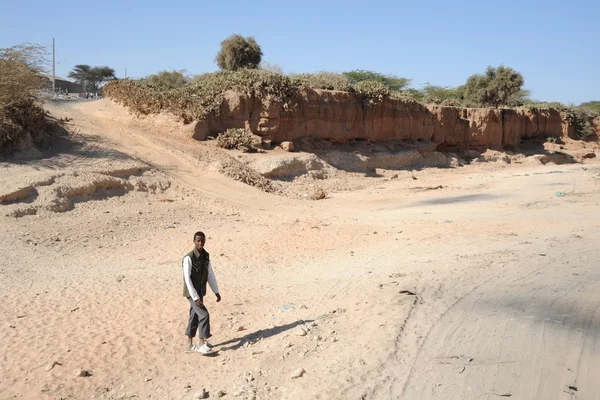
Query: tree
x=238, y=52
x=166, y=80
x=90, y=78
x=443, y=92
x=393, y=82
x=500, y=86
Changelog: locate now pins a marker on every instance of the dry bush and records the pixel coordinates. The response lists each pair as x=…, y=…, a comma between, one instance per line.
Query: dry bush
x=242, y=173
x=235, y=139
x=22, y=120
x=21, y=69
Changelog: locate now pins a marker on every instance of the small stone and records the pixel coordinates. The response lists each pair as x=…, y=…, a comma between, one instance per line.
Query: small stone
x=200, y=394
x=287, y=146
x=590, y=155
x=298, y=373
x=79, y=372
x=300, y=332
x=187, y=386
x=220, y=393
x=288, y=344
x=240, y=328
x=148, y=379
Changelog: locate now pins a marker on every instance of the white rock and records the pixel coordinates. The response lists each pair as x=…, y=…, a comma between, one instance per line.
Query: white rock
x=287, y=146
x=298, y=373
x=200, y=394
x=79, y=372
x=300, y=332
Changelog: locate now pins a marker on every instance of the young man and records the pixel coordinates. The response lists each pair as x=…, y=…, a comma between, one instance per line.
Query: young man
x=197, y=271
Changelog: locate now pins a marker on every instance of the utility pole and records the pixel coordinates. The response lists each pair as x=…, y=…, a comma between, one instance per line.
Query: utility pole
x=53, y=67
x=125, y=73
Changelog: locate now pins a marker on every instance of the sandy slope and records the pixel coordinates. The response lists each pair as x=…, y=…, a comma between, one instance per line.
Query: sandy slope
x=503, y=270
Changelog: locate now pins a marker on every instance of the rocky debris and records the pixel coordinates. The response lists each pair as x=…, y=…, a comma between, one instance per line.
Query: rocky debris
x=318, y=194
x=287, y=146
x=472, y=154
x=298, y=373
x=300, y=332
x=556, y=158
x=589, y=155
x=82, y=373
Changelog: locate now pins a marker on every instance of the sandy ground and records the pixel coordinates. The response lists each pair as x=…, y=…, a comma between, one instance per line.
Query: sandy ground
x=484, y=288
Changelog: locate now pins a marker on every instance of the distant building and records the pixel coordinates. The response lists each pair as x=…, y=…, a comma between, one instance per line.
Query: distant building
x=62, y=84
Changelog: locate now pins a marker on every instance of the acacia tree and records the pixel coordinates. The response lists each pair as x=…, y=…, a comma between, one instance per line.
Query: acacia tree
x=238, y=52
x=500, y=86
x=90, y=78
x=392, y=82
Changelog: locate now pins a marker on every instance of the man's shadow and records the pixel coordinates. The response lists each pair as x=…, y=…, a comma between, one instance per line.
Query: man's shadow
x=257, y=335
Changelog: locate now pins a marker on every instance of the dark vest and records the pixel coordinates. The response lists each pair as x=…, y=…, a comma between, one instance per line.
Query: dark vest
x=199, y=275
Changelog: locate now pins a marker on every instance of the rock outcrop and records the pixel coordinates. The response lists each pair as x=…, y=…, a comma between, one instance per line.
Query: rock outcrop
x=342, y=116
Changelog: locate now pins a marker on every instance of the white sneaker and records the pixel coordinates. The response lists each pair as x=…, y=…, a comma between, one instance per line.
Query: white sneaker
x=204, y=349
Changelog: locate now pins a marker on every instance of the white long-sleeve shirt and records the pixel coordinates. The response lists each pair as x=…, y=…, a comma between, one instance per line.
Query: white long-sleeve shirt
x=187, y=273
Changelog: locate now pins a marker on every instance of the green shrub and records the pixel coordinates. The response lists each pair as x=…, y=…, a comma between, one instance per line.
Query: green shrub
x=392, y=82
x=166, y=80
x=593, y=106
x=203, y=96
x=372, y=91
x=323, y=80
x=581, y=120
x=500, y=86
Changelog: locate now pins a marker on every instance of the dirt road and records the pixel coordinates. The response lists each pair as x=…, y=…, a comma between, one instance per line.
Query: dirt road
x=484, y=288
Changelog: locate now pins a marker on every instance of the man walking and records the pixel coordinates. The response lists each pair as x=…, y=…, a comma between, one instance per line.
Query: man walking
x=197, y=271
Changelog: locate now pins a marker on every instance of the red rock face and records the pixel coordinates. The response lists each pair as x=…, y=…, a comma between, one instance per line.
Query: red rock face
x=341, y=116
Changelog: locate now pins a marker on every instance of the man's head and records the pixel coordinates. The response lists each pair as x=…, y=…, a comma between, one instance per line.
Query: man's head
x=199, y=240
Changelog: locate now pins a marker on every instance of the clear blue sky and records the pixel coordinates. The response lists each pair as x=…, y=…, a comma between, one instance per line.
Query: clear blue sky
x=554, y=44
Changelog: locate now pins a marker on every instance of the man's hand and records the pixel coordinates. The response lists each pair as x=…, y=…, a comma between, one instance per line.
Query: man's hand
x=199, y=303
x=218, y=297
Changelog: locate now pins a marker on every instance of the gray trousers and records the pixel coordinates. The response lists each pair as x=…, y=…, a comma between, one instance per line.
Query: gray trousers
x=199, y=320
